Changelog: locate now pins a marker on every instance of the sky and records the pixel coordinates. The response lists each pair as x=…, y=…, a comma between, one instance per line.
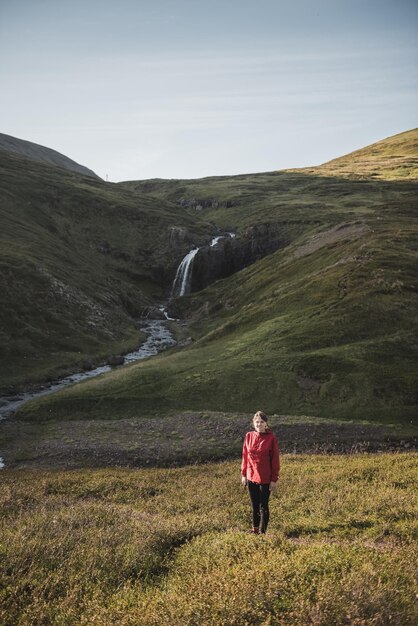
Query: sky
x=137, y=89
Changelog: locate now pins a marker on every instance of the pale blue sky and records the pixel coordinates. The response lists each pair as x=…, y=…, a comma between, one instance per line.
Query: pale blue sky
x=188, y=88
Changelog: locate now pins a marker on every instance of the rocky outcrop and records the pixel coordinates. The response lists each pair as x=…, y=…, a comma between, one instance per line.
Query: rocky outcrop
x=230, y=255
x=178, y=236
x=204, y=203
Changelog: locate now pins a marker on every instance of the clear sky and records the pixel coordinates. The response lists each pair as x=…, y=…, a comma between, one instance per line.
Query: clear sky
x=138, y=89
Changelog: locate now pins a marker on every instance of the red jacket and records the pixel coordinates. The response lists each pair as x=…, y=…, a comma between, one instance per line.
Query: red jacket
x=260, y=457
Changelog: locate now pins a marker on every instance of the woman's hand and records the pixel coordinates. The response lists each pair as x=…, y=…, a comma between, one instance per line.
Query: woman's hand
x=273, y=486
x=243, y=481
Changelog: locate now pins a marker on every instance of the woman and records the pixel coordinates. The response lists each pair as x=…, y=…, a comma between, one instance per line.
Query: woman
x=260, y=469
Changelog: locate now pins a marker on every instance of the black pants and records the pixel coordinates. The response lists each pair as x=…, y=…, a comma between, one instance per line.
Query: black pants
x=260, y=495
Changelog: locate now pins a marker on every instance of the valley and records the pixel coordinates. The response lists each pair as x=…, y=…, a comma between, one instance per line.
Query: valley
x=296, y=293
x=310, y=309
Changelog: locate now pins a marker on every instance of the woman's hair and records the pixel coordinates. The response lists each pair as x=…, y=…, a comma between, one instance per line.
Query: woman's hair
x=262, y=416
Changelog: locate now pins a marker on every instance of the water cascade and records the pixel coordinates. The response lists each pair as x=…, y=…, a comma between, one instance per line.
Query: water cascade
x=181, y=284
x=183, y=278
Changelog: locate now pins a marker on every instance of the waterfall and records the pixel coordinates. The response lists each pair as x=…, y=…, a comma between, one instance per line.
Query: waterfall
x=181, y=284
x=183, y=278
x=215, y=240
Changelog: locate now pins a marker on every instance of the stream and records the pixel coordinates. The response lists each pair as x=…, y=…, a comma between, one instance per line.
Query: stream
x=159, y=338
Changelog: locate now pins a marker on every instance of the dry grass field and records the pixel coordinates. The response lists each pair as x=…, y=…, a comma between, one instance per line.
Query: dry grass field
x=169, y=546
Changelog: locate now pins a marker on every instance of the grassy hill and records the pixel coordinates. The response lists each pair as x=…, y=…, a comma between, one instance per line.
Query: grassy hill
x=326, y=325
x=115, y=546
x=394, y=158
x=80, y=260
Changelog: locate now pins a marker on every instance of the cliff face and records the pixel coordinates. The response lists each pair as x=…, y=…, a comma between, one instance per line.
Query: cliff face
x=230, y=255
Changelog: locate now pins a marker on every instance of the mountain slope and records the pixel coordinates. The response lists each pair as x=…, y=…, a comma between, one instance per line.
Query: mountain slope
x=42, y=154
x=80, y=261
x=324, y=325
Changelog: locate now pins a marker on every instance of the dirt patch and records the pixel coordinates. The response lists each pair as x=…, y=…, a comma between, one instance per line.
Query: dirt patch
x=328, y=237
x=182, y=439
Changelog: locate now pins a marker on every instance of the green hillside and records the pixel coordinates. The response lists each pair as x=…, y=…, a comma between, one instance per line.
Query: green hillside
x=80, y=261
x=325, y=325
